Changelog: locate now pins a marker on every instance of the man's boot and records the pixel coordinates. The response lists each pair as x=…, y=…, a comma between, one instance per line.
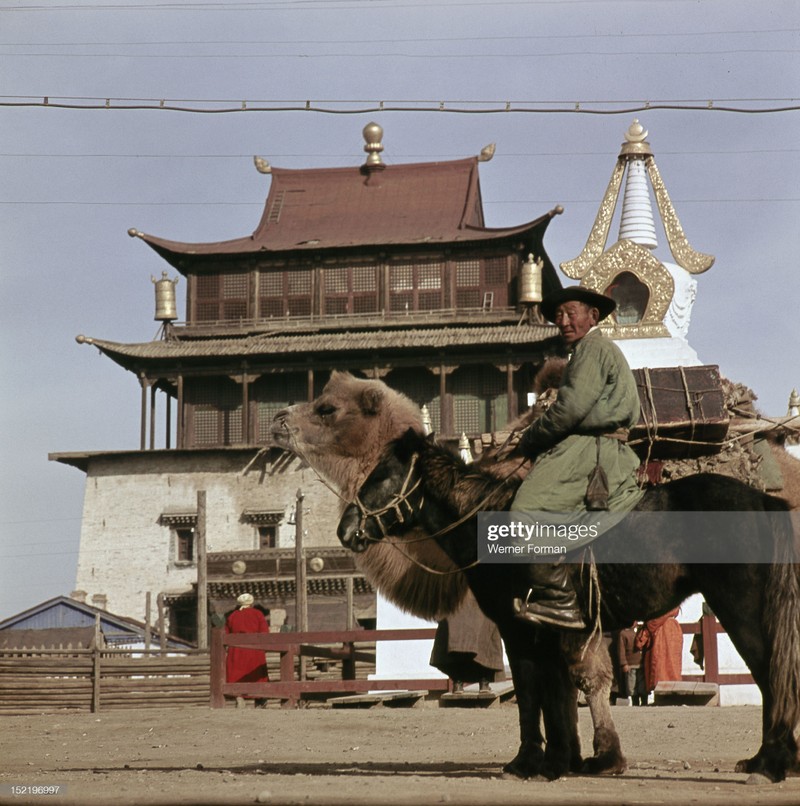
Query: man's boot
x=551, y=599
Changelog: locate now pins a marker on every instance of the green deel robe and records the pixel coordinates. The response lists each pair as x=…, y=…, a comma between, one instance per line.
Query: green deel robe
x=597, y=395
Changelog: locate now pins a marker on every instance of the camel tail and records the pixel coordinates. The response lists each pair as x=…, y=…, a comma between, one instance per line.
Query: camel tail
x=782, y=620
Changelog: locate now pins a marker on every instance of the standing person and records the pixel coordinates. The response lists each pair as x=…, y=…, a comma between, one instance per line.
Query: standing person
x=661, y=639
x=581, y=437
x=246, y=665
x=630, y=662
x=467, y=647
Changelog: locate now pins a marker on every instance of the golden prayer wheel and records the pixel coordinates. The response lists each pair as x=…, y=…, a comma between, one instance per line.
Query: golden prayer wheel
x=166, y=307
x=530, y=281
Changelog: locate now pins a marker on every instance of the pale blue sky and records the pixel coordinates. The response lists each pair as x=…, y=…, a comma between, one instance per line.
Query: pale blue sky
x=74, y=181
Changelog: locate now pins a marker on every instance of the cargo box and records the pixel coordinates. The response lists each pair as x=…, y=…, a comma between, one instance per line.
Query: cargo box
x=683, y=412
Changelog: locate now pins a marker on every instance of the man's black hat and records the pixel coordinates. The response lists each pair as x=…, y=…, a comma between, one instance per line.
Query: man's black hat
x=577, y=293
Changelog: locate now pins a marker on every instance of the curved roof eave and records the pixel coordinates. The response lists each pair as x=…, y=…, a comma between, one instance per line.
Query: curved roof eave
x=176, y=252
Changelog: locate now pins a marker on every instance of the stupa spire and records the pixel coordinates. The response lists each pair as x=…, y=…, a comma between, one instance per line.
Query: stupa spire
x=637, y=223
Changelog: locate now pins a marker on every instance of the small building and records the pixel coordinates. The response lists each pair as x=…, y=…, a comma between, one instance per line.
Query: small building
x=66, y=623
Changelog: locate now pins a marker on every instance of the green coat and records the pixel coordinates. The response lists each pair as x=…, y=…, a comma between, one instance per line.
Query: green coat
x=597, y=395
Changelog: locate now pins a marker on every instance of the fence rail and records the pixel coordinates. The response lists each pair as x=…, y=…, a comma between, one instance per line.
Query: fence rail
x=346, y=646
x=101, y=680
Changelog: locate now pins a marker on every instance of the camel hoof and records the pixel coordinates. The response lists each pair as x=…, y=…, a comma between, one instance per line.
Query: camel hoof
x=758, y=779
x=604, y=765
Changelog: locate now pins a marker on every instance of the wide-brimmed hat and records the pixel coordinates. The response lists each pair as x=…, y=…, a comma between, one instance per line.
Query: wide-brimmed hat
x=576, y=293
x=245, y=600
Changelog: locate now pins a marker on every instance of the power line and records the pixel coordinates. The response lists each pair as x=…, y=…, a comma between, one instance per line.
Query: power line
x=415, y=40
x=452, y=107
x=309, y=5
x=388, y=55
x=261, y=204
x=428, y=156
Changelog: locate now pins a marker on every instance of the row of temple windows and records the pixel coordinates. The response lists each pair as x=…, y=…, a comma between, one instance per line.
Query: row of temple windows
x=366, y=288
x=184, y=541
x=476, y=396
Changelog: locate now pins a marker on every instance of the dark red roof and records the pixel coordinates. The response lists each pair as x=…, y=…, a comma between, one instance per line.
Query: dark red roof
x=325, y=208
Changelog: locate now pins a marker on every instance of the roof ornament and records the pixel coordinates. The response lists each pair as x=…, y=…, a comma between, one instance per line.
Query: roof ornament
x=463, y=449
x=373, y=134
x=262, y=165
x=487, y=152
x=794, y=404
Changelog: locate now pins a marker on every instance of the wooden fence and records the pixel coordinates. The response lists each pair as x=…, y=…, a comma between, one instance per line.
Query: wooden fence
x=99, y=680
x=349, y=647
x=708, y=628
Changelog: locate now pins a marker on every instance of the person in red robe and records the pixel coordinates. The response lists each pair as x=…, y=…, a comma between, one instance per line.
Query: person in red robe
x=245, y=665
x=661, y=639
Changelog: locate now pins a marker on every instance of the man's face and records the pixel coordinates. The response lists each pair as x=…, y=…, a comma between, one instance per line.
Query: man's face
x=574, y=320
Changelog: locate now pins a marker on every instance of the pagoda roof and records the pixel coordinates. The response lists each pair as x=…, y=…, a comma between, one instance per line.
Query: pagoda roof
x=185, y=349
x=338, y=208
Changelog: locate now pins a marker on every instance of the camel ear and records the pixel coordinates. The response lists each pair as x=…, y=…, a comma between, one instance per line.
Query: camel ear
x=371, y=401
x=408, y=444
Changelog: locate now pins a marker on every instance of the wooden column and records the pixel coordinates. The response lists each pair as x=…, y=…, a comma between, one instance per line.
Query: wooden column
x=152, y=417
x=301, y=593
x=511, y=398
x=180, y=437
x=162, y=629
x=168, y=435
x=246, y=435
x=143, y=416
x=350, y=625
x=148, y=630
x=202, y=572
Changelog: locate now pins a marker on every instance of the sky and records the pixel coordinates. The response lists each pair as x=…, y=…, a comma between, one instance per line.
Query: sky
x=553, y=84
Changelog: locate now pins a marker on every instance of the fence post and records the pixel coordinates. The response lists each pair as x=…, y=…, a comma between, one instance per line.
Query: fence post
x=710, y=657
x=217, y=667
x=98, y=640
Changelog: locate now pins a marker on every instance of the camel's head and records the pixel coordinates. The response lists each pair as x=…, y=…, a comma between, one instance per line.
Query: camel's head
x=343, y=433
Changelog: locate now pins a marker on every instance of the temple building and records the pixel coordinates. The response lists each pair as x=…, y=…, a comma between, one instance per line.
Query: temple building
x=387, y=271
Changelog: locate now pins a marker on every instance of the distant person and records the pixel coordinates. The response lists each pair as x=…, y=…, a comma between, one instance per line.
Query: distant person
x=661, y=640
x=246, y=665
x=629, y=657
x=467, y=648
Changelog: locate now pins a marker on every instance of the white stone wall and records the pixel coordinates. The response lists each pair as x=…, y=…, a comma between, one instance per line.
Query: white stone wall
x=125, y=551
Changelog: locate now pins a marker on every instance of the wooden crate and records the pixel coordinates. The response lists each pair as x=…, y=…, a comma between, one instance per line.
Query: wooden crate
x=683, y=412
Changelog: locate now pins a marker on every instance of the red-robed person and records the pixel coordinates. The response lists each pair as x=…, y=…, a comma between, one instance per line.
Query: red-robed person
x=245, y=665
x=661, y=640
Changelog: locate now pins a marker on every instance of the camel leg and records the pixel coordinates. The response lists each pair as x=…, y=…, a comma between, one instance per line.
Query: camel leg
x=591, y=671
x=778, y=753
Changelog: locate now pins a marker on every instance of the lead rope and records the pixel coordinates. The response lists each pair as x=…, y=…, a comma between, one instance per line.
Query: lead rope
x=594, y=594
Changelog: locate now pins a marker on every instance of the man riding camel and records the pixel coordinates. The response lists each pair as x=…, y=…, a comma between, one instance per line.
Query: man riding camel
x=580, y=440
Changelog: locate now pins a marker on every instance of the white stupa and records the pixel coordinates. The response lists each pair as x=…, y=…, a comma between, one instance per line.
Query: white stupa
x=654, y=297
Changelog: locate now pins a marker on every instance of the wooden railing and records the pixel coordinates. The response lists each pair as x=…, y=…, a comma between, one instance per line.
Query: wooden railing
x=709, y=628
x=294, y=647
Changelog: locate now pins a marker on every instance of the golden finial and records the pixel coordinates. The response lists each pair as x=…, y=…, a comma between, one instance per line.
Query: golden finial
x=635, y=143
x=636, y=132
x=373, y=134
x=262, y=165
x=487, y=152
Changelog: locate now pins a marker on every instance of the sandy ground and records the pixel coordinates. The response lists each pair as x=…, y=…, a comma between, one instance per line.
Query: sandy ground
x=423, y=755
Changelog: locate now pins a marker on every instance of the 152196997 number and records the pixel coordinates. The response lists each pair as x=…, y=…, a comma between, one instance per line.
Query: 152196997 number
x=36, y=789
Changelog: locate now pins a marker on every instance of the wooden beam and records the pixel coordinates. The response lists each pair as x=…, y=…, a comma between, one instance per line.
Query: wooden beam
x=202, y=572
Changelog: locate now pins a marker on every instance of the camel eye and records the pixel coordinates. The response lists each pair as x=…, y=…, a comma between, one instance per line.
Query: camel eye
x=325, y=409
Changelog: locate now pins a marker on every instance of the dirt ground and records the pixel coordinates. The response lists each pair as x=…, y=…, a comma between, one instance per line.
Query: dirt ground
x=421, y=756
